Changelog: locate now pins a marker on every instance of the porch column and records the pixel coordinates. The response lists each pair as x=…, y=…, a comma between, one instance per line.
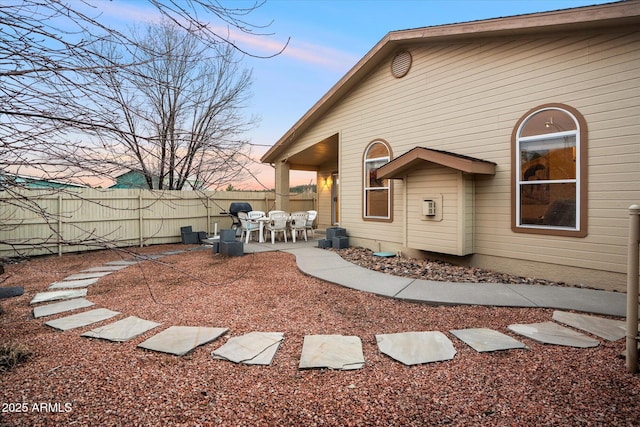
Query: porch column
x=282, y=186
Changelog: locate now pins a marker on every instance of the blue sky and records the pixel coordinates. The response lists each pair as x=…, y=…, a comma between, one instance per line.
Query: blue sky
x=327, y=37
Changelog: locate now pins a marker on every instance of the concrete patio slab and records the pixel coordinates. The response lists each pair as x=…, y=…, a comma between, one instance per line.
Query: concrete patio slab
x=94, y=275
x=414, y=348
x=104, y=268
x=609, y=329
x=58, y=295
x=484, y=339
x=73, y=284
x=122, y=330
x=552, y=333
x=61, y=307
x=331, y=351
x=254, y=348
x=82, y=319
x=180, y=340
x=445, y=293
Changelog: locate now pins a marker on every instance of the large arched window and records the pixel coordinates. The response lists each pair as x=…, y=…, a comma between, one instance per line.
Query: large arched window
x=550, y=172
x=377, y=192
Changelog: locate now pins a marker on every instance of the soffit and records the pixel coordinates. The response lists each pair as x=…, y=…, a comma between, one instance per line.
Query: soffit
x=419, y=157
x=311, y=158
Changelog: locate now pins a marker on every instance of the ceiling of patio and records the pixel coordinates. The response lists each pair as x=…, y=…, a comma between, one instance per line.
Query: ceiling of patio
x=312, y=158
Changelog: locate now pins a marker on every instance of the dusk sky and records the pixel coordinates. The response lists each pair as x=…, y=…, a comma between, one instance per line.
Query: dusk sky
x=327, y=38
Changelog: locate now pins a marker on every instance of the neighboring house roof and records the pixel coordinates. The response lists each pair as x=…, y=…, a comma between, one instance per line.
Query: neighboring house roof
x=132, y=179
x=567, y=20
x=135, y=179
x=10, y=179
x=399, y=166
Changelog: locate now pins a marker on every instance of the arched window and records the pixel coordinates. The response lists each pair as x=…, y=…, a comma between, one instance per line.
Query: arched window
x=377, y=192
x=549, y=172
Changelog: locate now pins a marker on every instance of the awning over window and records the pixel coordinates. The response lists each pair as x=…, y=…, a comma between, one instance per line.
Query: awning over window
x=417, y=157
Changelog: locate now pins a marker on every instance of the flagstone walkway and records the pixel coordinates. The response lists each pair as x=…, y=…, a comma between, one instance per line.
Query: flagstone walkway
x=318, y=351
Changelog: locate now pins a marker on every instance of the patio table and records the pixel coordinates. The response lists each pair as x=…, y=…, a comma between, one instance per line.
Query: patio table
x=263, y=220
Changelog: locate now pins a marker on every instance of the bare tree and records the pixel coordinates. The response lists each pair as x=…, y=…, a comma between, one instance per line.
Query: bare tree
x=176, y=115
x=51, y=56
x=48, y=66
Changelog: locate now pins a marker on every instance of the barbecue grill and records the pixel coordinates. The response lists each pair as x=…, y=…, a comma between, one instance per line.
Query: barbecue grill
x=234, y=208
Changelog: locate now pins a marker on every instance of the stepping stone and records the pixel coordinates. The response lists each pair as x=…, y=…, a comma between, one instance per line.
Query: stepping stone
x=180, y=340
x=104, y=268
x=413, y=348
x=61, y=307
x=149, y=257
x=82, y=319
x=122, y=330
x=81, y=276
x=552, y=333
x=58, y=295
x=483, y=339
x=11, y=291
x=72, y=284
x=331, y=351
x=123, y=262
x=611, y=330
x=173, y=252
x=254, y=348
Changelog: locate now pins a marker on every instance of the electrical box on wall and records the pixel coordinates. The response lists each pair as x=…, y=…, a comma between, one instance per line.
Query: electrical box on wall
x=428, y=207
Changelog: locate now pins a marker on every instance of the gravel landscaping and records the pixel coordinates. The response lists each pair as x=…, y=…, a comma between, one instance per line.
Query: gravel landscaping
x=71, y=380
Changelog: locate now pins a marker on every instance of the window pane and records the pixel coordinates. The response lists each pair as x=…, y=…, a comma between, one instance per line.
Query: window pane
x=372, y=173
x=548, y=204
x=548, y=121
x=377, y=150
x=548, y=159
x=377, y=203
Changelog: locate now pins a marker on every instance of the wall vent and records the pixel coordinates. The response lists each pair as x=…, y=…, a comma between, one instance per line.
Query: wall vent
x=401, y=64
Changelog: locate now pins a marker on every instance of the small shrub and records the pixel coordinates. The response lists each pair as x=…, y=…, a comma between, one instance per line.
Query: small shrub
x=12, y=355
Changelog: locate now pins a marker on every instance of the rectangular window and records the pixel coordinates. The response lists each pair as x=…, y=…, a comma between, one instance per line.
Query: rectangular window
x=547, y=182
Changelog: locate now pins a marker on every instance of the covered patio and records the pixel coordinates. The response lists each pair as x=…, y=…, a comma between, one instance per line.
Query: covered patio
x=320, y=157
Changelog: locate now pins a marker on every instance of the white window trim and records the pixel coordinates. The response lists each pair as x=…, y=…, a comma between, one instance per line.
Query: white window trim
x=519, y=182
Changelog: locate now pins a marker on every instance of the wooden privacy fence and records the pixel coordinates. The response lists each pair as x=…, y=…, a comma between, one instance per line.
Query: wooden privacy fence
x=37, y=222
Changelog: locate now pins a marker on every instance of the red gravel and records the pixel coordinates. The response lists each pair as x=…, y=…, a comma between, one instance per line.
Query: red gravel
x=94, y=382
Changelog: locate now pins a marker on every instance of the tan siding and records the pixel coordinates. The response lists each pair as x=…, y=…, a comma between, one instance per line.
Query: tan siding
x=466, y=98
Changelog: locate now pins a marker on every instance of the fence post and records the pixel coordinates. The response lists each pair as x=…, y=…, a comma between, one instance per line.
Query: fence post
x=59, y=224
x=140, y=220
x=632, y=288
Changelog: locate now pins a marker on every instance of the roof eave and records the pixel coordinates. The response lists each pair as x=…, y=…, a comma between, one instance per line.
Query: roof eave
x=418, y=156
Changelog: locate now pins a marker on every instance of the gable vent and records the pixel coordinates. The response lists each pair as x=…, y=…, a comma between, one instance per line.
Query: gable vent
x=401, y=64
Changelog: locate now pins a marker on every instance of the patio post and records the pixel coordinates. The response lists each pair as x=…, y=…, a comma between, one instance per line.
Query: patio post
x=282, y=185
x=632, y=288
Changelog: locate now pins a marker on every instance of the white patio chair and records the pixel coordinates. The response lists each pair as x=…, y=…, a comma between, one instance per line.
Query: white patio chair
x=247, y=226
x=256, y=214
x=299, y=224
x=312, y=217
x=277, y=224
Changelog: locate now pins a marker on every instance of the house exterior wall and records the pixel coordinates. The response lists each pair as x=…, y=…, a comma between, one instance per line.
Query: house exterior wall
x=466, y=97
x=450, y=231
